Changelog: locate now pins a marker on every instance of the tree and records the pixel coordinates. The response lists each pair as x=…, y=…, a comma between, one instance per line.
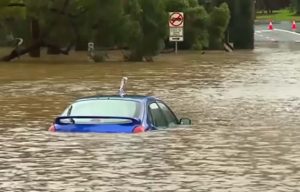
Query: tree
x=104, y=26
x=267, y=5
x=176, y=5
x=10, y=17
x=296, y=6
x=140, y=25
x=219, y=20
x=147, y=28
x=196, y=28
x=241, y=27
x=46, y=18
x=270, y=5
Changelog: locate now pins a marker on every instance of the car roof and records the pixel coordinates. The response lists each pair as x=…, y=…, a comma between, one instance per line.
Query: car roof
x=125, y=97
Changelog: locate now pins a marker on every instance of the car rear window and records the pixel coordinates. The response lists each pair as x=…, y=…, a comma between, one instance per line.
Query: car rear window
x=104, y=107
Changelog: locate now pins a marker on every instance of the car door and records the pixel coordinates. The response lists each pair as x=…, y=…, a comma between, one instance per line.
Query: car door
x=168, y=113
x=156, y=117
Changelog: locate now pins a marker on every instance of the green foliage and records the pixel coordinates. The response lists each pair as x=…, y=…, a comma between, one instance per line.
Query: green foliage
x=176, y=5
x=278, y=15
x=195, y=22
x=38, y=8
x=195, y=30
x=147, y=27
x=154, y=25
x=11, y=21
x=133, y=12
x=7, y=11
x=54, y=23
x=139, y=25
x=107, y=23
x=134, y=38
x=296, y=6
x=219, y=20
x=62, y=27
x=193, y=3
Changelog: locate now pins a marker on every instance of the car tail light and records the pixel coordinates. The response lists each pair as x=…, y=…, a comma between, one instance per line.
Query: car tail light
x=52, y=128
x=139, y=129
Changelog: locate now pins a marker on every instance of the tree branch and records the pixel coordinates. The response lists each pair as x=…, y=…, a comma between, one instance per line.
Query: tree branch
x=16, y=5
x=18, y=52
x=59, y=49
x=61, y=12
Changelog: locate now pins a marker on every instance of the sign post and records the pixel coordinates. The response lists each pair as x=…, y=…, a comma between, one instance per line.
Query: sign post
x=91, y=50
x=176, y=24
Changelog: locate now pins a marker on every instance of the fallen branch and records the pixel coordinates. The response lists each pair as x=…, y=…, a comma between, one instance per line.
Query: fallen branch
x=59, y=49
x=17, y=52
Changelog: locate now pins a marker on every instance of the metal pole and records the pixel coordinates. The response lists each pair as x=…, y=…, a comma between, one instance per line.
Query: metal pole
x=176, y=47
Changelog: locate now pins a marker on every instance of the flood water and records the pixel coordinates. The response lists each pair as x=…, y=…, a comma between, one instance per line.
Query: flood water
x=245, y=135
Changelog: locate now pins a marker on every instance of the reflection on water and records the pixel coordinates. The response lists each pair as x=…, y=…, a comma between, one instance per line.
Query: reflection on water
x=245, y=136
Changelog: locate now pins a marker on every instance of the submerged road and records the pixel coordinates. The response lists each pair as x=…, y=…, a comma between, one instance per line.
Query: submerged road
x=282, y=32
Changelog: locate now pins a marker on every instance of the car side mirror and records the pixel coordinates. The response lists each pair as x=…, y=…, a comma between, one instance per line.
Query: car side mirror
x=185, y=121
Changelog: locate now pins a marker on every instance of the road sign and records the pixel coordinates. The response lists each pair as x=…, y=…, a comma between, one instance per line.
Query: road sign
x=175, y=39
x=176, y=19
x=176, y=34
x=176, y=31
x=176, y=23
x=91, y=46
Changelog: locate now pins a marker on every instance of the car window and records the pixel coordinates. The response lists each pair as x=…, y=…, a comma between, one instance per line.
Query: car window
x=157, y=117
x=104, y=107
x=170, y=116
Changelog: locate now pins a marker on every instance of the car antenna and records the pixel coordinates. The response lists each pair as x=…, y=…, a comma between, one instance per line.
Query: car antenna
x=122, y=90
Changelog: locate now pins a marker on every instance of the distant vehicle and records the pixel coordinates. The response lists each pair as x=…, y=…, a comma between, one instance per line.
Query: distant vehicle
x=116, y=114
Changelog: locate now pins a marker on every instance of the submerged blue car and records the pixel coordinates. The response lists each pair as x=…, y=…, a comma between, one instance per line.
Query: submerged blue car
x=116, y=114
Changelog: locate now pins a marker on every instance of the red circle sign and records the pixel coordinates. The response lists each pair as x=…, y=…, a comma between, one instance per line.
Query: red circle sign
x=176, y=19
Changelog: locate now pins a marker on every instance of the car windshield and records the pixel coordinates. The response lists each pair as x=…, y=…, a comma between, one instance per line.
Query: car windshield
x=104, y=107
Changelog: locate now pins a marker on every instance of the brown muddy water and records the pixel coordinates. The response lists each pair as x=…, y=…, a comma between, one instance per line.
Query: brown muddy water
x=245, y=135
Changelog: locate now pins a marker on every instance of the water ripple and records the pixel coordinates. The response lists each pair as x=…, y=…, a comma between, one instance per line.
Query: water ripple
x=245, y=135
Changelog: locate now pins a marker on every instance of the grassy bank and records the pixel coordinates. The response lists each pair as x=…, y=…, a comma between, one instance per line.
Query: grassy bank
x=278, y=15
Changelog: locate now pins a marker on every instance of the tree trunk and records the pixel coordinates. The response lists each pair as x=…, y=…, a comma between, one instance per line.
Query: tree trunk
x=133, y=56
x=297, y=5
x=53, y=51
x=35, y=35
x=81, y=45
x=269, y=6
x=242, y=24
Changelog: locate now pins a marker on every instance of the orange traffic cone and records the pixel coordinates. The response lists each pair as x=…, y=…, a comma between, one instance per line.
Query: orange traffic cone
x=294, y=26
x=270, y=25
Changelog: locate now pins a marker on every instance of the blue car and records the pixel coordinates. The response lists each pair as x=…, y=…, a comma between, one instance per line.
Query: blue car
x=116, y=114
